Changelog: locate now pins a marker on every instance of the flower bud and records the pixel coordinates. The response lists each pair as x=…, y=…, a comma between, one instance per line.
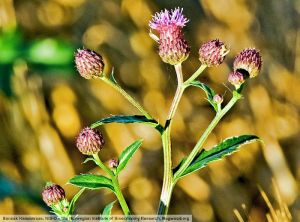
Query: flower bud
x=113, y=163
x=218, y=99
x=53, y=194
x=173, y=48
x=89, y=141
x=236, y=78
x=249, y=61
x=89, y=63
x=213, y=53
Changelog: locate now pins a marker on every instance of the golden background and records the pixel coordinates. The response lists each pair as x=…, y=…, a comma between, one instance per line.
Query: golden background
x=44, y=103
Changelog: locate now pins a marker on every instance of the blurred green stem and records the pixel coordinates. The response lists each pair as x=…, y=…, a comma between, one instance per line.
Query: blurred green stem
x=236, y=96
x=115, y=182
x=127, y=96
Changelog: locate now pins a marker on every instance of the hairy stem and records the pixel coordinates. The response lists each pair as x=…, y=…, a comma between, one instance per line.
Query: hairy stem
x=212, y=125
x=114, y=179
x=127, y=96
x=166, y=142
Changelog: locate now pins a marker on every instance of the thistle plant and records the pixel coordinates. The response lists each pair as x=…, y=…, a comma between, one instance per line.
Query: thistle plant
x=173, y=50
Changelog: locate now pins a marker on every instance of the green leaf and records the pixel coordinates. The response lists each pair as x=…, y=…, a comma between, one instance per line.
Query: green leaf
x=226, y=147
x=91, y=181
x=89, y=159
x=107, y=211
x=127, y=154
x=73, y=201
x=125, y=119
x=210, y=93
x=112, y=77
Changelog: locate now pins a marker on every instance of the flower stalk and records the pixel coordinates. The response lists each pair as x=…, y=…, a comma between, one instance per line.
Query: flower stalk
x=209, y=129
x=174, y=50
x=166, y=142
x=116, y=185
x=126, y=96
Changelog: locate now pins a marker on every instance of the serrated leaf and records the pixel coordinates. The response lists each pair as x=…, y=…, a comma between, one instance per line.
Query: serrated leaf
x=73, y=201
x=107, y=211
x=91, y=181
x=127, y=154
x=125, y=119
x=226, y=147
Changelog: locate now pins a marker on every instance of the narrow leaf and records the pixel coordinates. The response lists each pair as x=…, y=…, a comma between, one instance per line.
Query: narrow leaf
x=226, y=147
x=89, y=159
x=210, y=93
x=125, y=119
x=112, y=77
x=91, y=181
x=73, y=201
x=127, y=154
x=107, y=211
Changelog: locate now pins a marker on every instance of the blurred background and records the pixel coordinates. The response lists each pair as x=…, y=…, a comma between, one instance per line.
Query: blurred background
x=44, y=103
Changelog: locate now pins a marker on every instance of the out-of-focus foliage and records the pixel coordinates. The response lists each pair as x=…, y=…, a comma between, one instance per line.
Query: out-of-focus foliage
x=44, y=104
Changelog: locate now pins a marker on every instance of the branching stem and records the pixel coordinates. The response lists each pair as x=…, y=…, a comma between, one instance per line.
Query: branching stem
x=115, y=182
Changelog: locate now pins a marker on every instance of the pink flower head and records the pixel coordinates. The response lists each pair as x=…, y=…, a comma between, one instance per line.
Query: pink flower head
x=249, y=61
x=89, y=141
x=165, y=18
x=173, y=48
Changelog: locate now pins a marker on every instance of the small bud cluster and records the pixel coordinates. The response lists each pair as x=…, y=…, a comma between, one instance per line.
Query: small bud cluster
x=89, y=63
x=89, y=141
x=113, y=163
x=53, y=194
x=218, y=99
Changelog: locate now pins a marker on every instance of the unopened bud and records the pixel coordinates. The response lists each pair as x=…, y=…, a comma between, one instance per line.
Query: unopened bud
x=113, y=163
x=89, y=63
x=236, y=78
x=218, y=99
x=53, y=194
x=249, y=61
x=213, y=53
x=89, y=141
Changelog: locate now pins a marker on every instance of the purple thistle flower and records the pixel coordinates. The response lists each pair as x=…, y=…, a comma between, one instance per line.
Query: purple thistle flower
x=53, y=194
x=90, y=141
x=212, y=53
x=89, y=63
x=173, y=48
x=166, y=18
x=249, y=61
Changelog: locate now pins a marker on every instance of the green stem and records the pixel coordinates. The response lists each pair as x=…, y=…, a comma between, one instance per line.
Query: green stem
x=212, y=125
x=127, y=96
x=195, y=75
x=166, y=142
x=120, y=196
x=114, y=179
